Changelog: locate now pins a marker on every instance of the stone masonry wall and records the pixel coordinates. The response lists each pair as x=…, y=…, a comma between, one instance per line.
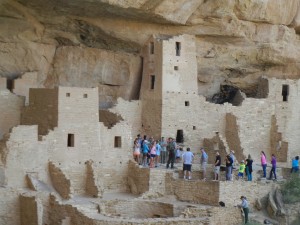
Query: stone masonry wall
x=10, y=108
x=42, y=110
x=91, y=187
x=179, y=64
x=230, y=192
x=60, y=182
x=9, y=206
x=151, y=90
x=23, y=84
x=287, y=113
x=278, y=147
x=131, y=112
x=25, y=155
x=204, y=192
x=138, y=178
x=232, y=136
x=31, y=210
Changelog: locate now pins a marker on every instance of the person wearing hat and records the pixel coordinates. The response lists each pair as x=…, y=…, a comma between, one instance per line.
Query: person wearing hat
x=244, y=206
x=241, y=170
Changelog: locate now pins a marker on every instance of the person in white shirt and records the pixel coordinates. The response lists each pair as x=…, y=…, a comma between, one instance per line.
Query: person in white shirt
x=187, y=158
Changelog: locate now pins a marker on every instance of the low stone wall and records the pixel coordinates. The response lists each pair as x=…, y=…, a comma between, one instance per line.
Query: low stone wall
x=136, y=209
x=138, y=178
x=230, y=192
x=204, y=192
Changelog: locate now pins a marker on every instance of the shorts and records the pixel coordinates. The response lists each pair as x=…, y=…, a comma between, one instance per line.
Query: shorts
x=217, y=169
x=187, y=167
x=136, y=153
x=241, y=174
x=152, y=155
x=203, y=166
x=177, y=157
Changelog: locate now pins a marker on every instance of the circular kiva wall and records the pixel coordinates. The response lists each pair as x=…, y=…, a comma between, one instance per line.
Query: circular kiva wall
x=136, y=209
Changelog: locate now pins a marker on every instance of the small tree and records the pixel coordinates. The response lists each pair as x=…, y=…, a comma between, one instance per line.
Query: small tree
x=291, y=189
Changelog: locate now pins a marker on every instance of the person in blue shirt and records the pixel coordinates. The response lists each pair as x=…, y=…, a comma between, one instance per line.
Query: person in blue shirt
x=295, y=165
x=203, y=162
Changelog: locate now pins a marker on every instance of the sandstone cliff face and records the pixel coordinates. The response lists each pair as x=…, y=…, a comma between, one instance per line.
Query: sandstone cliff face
x=98, y=43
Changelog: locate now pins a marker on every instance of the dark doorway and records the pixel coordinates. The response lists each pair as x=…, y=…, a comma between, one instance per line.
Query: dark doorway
x=179, y=136
x=10, y=84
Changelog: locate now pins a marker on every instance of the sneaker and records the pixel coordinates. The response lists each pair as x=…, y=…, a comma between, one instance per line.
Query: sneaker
x=190, y=178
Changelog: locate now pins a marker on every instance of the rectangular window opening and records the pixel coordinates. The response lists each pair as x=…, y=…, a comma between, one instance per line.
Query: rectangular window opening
x=179, y=136
x=151, y=48
x=175, y=67
x=85, y=95
x=71, y=140
x=187, y=103
x=194, y=127
x=178, y=48
x=152, y=82
x=10, y=84
x=68, y=94
x=118, y=142
x=285, y=92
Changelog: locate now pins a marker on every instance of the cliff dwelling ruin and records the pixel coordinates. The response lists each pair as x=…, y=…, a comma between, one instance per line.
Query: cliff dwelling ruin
x=79, y=81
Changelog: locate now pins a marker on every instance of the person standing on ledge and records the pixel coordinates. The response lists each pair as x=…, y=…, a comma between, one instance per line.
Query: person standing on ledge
x=273, y=170
x=263, y=160
x=203, y=161
x=187, y=159
x=163, y=145
x=244, y=207
x=171, y=152
x=229, y=162
x=217, y=166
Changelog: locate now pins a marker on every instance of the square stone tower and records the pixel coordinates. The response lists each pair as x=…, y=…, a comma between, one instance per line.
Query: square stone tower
x=169, y=66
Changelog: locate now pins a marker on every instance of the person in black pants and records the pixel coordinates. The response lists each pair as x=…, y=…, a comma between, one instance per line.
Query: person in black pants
x=171, y=151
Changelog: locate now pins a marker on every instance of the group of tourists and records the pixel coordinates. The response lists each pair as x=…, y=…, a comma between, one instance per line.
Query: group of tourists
x=151, y=152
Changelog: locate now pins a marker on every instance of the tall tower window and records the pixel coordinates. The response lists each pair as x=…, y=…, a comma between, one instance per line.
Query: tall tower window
x=178, y=48
x=152, y=81
x=71, y=140
x=285, y=92
x=151, y=48
x=118, y=142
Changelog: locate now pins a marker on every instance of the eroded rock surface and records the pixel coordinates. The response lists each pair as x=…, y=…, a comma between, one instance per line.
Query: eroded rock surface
x=98, y=43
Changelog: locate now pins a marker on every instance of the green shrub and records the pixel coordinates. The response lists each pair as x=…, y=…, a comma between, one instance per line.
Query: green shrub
x=296, y=221
x=291, y=190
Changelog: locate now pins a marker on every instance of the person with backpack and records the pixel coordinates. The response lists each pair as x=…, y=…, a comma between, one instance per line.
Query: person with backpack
x=203, y=162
